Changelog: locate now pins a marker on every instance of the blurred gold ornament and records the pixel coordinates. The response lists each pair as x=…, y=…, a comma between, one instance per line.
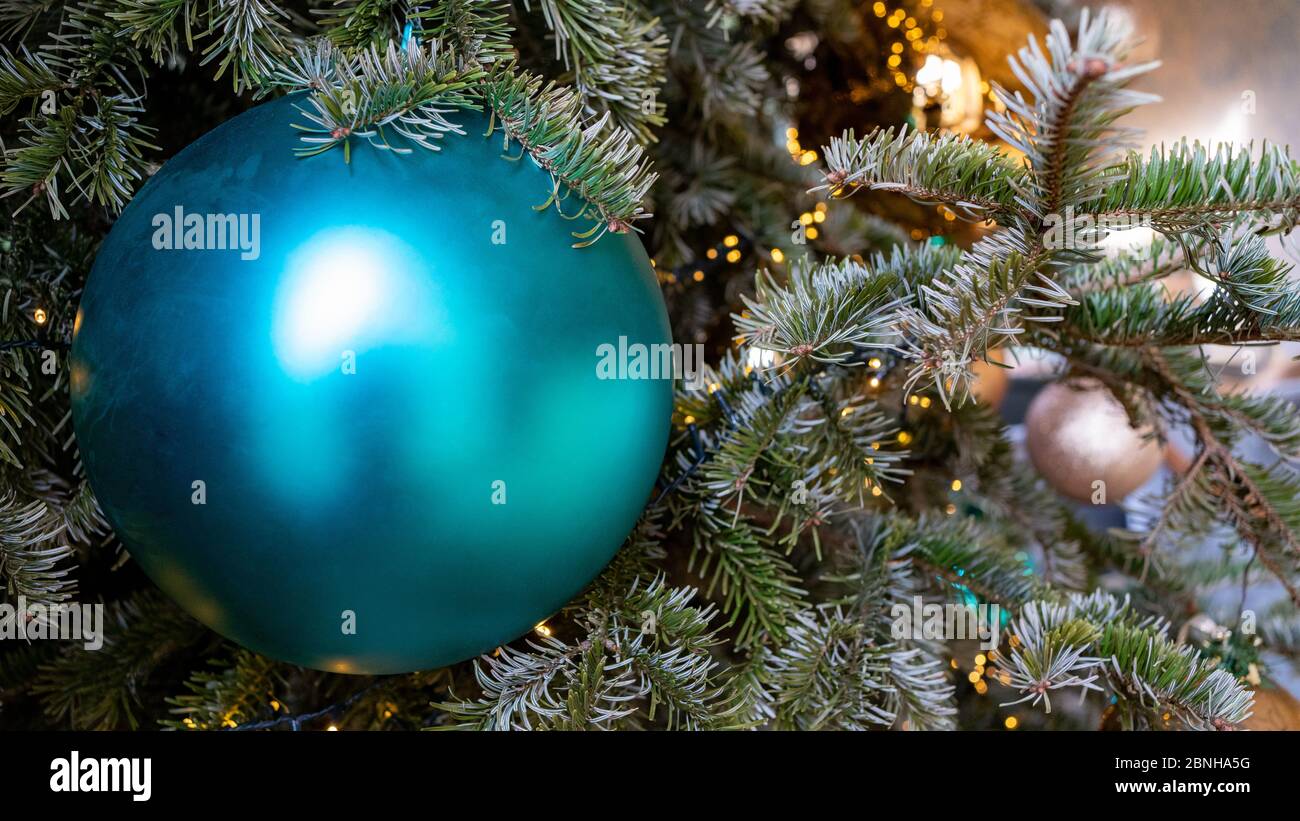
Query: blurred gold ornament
x=1080, y=440
x=989, y=387
x=1275, y=709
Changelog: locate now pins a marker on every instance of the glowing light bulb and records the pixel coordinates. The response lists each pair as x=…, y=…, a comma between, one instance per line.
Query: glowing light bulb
x=931, y=72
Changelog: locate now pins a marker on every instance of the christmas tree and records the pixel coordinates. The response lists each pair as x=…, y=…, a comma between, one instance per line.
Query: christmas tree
x=843, y=535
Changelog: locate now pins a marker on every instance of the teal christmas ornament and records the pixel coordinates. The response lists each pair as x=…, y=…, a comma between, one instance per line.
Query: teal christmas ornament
x=349, y=415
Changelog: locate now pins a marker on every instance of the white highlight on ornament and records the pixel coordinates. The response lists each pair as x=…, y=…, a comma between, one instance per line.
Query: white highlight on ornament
x=346, y=289
x=334, y=291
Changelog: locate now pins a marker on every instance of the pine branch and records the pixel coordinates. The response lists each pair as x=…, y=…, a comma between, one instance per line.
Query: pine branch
x=759, y=591
x=1148, y=263
x=479, y=30
x=249, y=38
x=1081, y=639
x=761, y=11
x=644, y=653
x=361, y=24
x=152, y=24
x=104, y=689
x=669, y=641
x=955, y=551
x=823, y=313
x=975, y=178
x=603, y=165
x=33, y=562
x=981, y=302
x=23, y=76
x=403, y=90
x=1184, y=186
x=1254, y=301
x=1078, y=89
x=232, y=692
x=827, y=676
x=881, y=578
x=1261, y=506
x=18, y=18
x=616, y=58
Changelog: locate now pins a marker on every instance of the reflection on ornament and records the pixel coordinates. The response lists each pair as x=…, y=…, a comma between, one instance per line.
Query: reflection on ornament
x=1078, y=435
x=1203, y=630
x=989, y=386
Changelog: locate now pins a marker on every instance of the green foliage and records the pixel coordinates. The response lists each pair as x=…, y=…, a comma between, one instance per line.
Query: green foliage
x=374, y=92
x=1074, y=642
x=104, y=689
x=615, y=57
x=809, y=490
x=234, y=692
x=1185, y=186
x=602, y=165
x=642, y=656
x=33, y=564
x=974, y=177
x=825, y=313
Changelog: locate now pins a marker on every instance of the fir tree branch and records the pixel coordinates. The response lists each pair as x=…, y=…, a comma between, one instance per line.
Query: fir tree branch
x=361, y=24
x=827, y=676
x=1078, y=90
x=1080, y=639
x=103, y=689
x=479, y=30
x=975, y=178
x=23, y=76
x=231, y=693
x=823, y=313
x=33, y=564
x=1186, y=186
x=603, y=165
x=248, y=38
x=403, y=90
x=615, y=56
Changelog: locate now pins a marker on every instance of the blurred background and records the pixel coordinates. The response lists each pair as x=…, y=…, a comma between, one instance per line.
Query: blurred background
x=1228, y=75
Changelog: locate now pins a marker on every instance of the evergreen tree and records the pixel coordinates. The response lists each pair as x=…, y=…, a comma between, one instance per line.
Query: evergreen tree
x=830, y=467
